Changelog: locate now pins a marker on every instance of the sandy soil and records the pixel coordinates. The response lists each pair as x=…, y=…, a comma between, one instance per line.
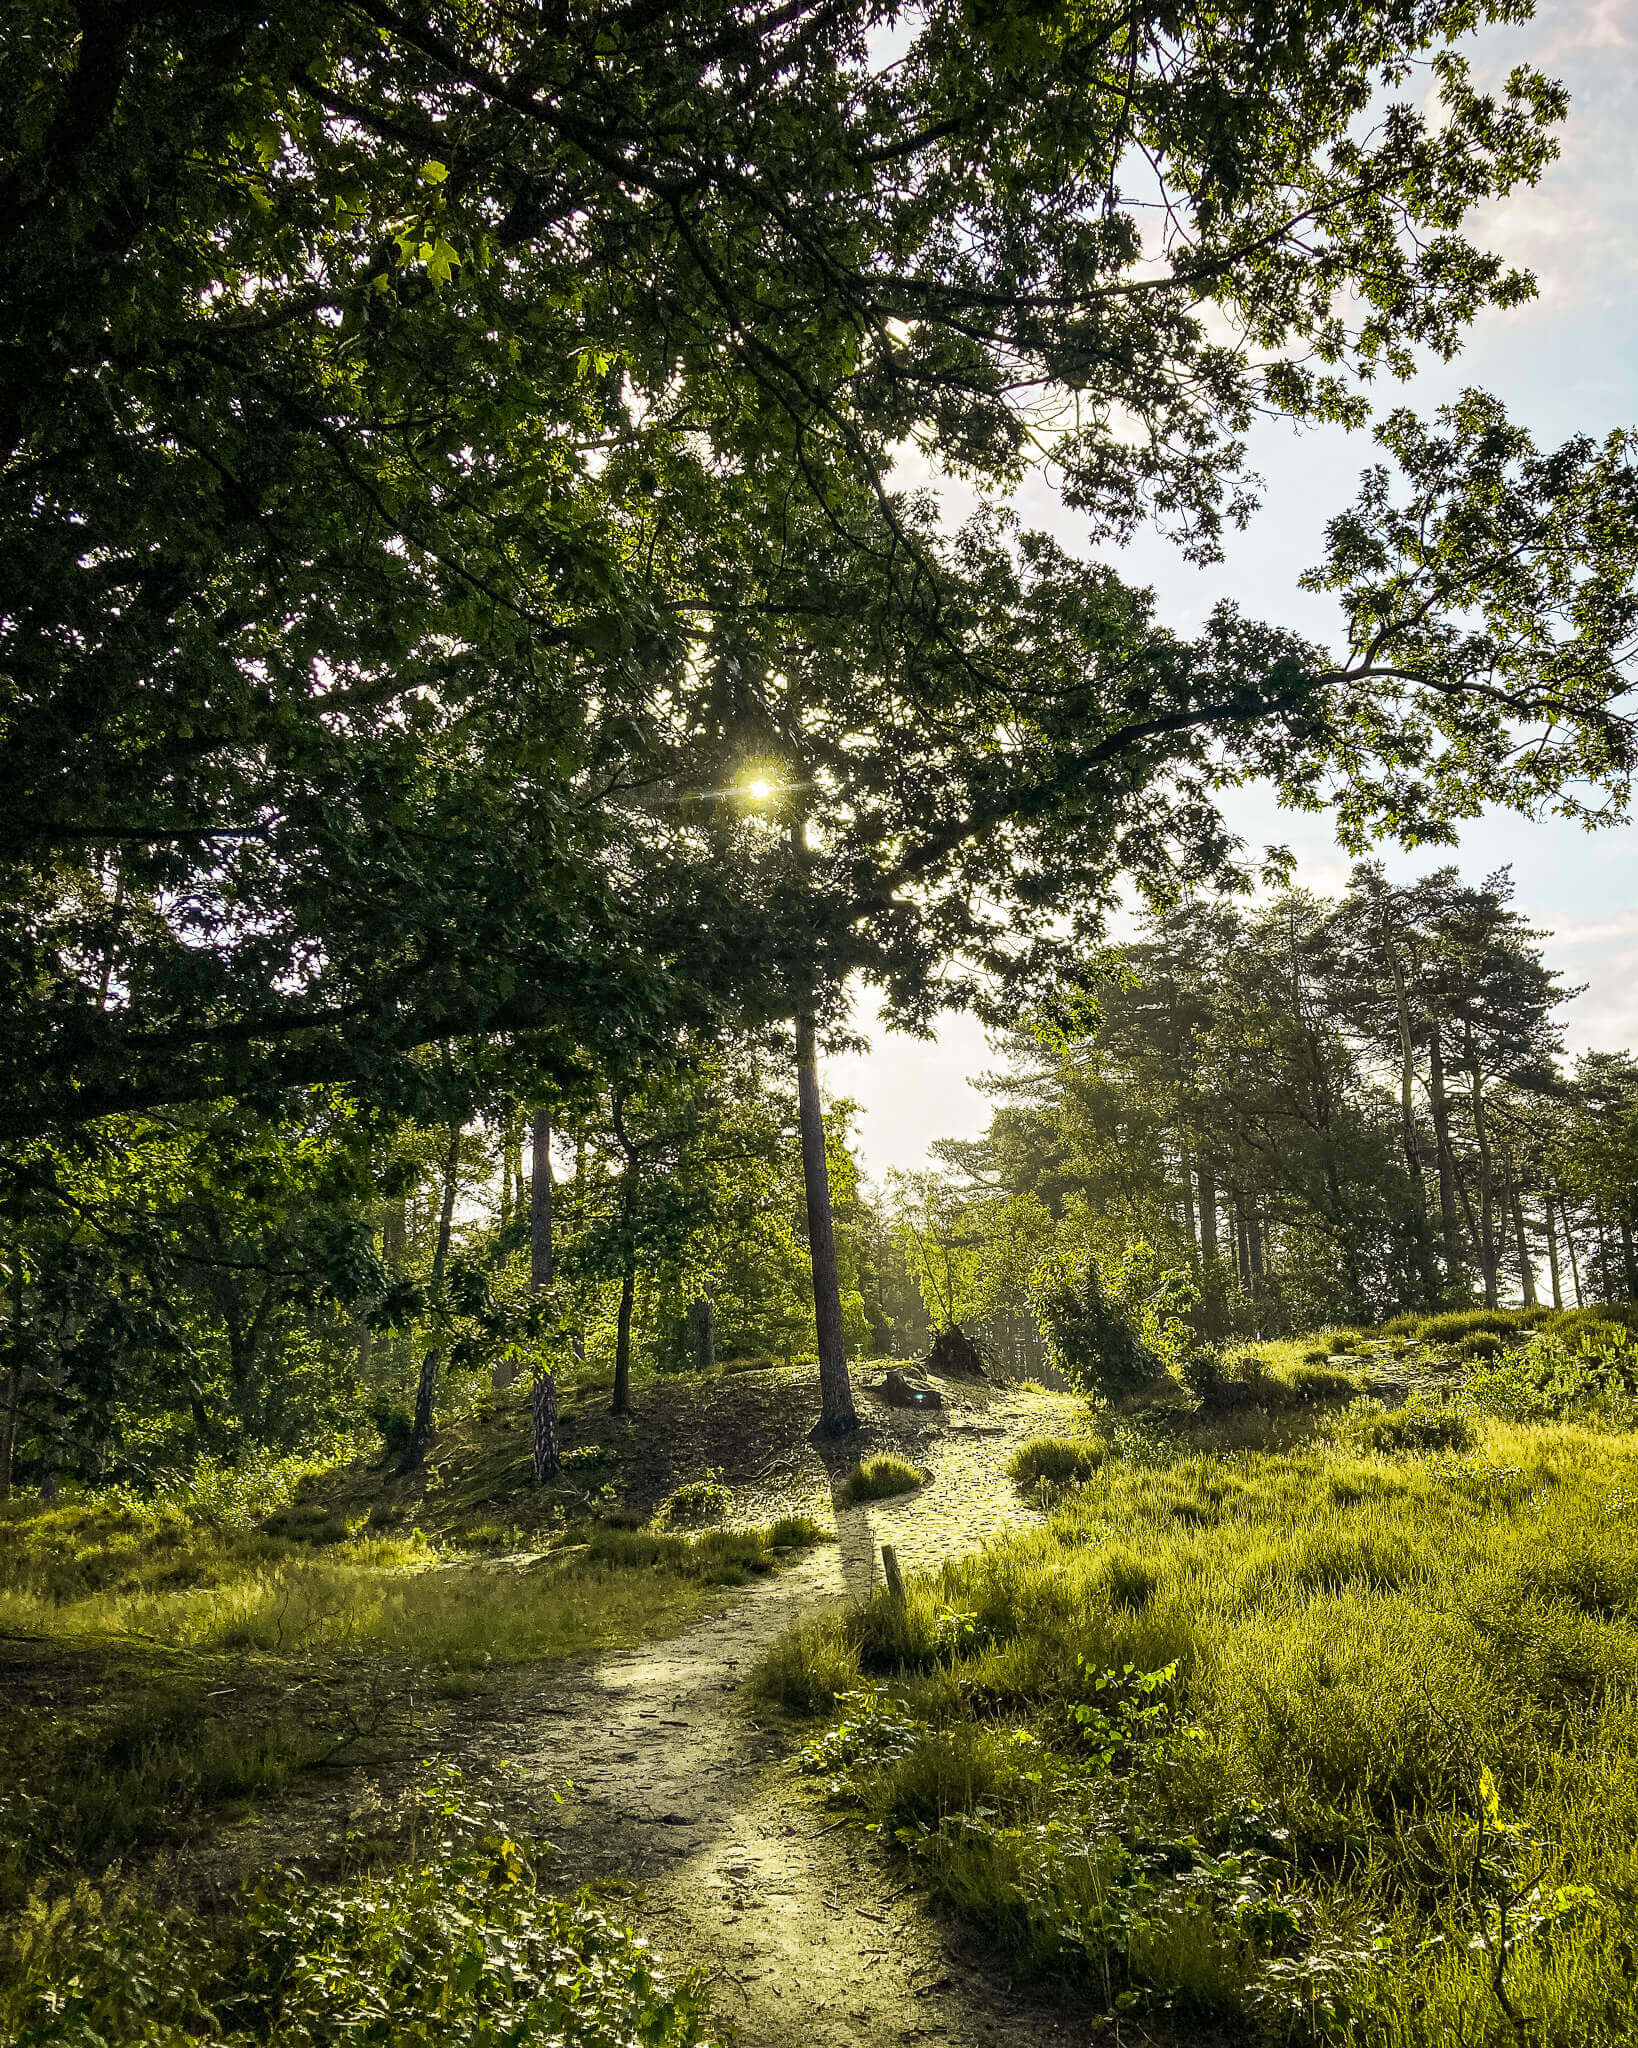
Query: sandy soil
x=804, y=1924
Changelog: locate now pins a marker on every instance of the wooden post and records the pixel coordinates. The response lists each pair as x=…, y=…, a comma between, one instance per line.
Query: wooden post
x=890, y=1571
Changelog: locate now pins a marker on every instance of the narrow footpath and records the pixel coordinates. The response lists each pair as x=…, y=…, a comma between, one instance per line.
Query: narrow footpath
x=803, y=1925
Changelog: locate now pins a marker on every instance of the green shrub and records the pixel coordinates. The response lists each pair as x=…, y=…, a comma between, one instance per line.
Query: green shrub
x=1089, y=1337
x=796, y=1532
x=1419, y=1425
x=308, y=1522
x=1549, y=1377
x=1059, y=1460
x=695, y=1501
x=1319, y=1383
x=395, y=1423
x=879, y=1478
x=460, y=1946
x=1479, y=1344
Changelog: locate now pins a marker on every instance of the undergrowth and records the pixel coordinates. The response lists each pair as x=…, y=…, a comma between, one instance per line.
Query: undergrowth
x=458, y=1946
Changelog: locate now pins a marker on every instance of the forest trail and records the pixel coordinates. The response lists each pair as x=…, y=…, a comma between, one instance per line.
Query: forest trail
x=805, y=1929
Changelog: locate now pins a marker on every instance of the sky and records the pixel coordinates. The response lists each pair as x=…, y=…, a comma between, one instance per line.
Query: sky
x=1567, y=363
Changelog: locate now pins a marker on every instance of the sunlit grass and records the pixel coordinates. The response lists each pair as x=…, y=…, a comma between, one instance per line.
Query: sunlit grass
x=110, y=1572
x=1360, y=1634
x=879, y=1478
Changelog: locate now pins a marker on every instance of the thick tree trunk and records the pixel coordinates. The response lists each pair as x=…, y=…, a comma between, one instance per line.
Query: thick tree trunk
x=1449, y=1222
x=426, y=1387
x=1552, y=1250
x=702, y=1330
x=837, y=1414
x=543, y=1399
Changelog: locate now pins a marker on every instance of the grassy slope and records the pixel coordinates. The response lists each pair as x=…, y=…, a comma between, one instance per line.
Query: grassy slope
x=1386, y=1786
x=163, y=1661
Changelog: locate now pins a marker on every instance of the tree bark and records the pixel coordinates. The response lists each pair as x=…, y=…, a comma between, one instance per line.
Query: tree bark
x=1552, y=1250
x=426, y=1389
x=1629, y=1259
x=1569, y=1245
x=1449, y=1222
x=1208, y=1215
x=1407, y=1118
x=1489, y=1247
x=543, y=1398
x=11, y=1393
x=540, y=1202
x=1527, y=1270
x=837, y=1414
x=622, y=1342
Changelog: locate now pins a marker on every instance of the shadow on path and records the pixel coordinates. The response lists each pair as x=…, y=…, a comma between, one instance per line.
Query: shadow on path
x=805, y=1926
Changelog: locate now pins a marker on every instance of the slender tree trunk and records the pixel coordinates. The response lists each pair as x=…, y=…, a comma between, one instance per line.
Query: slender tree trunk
x=426, y=1389
x=1188, y=1199
x=1208, y=1216
x=543, y=1397
x=702, y=1328
x=1449, y=1222
x=1407, y=1119
x=1569, y=1245
x=13, y=1384
x=1629, y=1261
x=1552, y=1250
x=1254, y=1250
x=11, y=1394
x=628, y=1279
x=1527, y=1269
x=622, y=1340
x=1489, y=1246
x=540, y=1202
x=836, y=1411
x=1242, y=1247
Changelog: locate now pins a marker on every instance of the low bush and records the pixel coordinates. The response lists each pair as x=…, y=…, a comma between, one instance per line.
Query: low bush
x=460, y=1947
x=1059, y=1460
x=1595, y=1376
x=1317, y=1383
x=1479, y=1344
x=1420, y=1425
x=695, y=1501
x=1448, y=1326
x=879, y=1478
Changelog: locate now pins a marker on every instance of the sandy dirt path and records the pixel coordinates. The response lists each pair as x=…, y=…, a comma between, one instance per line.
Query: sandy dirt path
x=804, y=1926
